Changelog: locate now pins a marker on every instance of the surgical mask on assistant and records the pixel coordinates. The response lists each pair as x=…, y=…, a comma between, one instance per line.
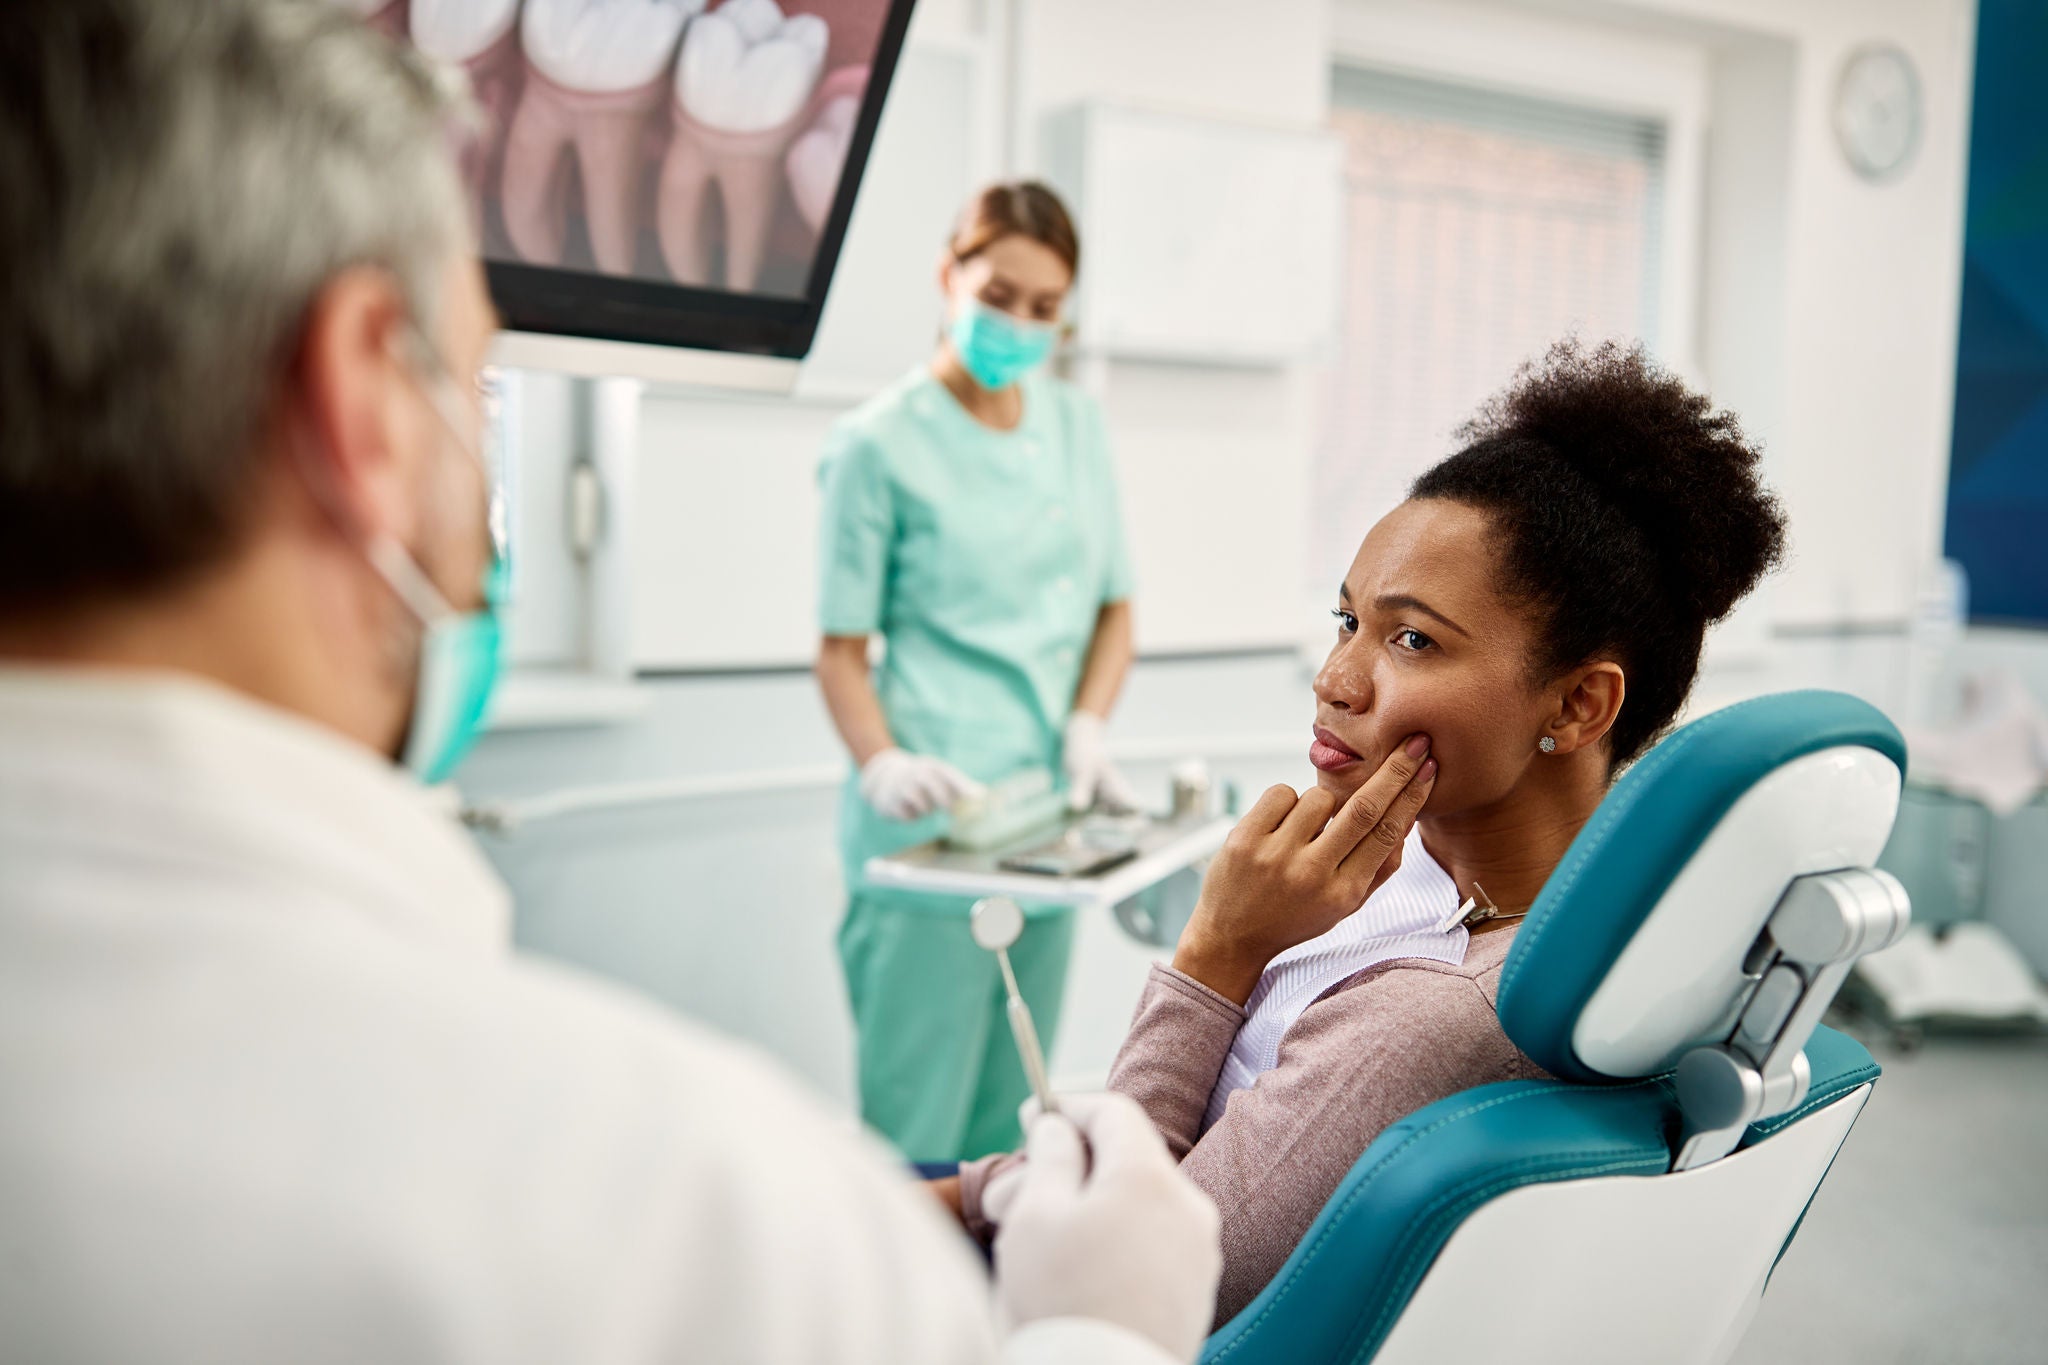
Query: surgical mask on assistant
x=997, y=348
x=460, y=652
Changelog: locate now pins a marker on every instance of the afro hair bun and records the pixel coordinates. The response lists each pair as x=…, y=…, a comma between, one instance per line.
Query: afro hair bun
x=1659, y=454
x=1631, y=518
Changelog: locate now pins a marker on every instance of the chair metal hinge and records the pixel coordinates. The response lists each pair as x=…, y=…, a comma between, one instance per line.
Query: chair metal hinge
x=1821, y=925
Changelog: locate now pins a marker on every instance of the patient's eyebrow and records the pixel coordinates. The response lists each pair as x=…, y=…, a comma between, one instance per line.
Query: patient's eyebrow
x=1399, y=601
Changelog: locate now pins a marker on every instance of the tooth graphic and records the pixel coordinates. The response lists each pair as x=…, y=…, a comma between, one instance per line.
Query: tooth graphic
x=741, y=91
x=482, y=37
x=818, y=158
x=460, y=31
x=595, y=71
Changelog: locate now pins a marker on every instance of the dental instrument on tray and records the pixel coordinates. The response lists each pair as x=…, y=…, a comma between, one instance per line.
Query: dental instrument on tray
x=1007, y=812
x=1008, y=816
x=997, y=923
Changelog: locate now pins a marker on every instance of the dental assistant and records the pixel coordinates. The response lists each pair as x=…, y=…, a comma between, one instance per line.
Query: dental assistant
x=273, y=1084
x=970, y=520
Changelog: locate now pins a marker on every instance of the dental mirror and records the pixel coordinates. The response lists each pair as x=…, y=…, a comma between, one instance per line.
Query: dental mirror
x=997, y=923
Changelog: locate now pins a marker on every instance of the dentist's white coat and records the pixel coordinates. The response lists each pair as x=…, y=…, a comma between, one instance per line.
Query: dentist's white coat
x=273, y=1088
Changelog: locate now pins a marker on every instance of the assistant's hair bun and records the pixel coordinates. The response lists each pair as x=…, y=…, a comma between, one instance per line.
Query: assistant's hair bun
x=1659, y=454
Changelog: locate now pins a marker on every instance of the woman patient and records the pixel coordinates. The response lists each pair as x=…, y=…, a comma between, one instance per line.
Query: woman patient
x=1529, y=621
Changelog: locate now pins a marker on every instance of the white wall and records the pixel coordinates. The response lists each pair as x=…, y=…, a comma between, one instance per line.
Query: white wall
x=1213, y=57
x=1214, y=463
x=1826, y=313
x=1872, y=279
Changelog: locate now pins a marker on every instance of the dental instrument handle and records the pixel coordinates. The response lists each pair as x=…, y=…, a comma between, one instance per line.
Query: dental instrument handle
x=1034, y=1059
x=1026, y=1034
x=1010, y=987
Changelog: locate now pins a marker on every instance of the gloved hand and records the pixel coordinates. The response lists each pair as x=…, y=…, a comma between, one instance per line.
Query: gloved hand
x=1091, y=778
x=907, y=786
x=1130, y=1241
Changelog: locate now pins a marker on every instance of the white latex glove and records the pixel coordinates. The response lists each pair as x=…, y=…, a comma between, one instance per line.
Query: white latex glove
x=1130, y=1242
x=1091, y=778
x=907, y=786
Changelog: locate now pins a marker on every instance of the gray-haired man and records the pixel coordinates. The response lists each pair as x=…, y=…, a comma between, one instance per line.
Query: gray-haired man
x=271, y=1085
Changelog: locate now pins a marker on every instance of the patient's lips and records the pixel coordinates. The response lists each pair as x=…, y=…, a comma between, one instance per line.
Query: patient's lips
x=596, y=72
x=1329, y=753
x=741, y=89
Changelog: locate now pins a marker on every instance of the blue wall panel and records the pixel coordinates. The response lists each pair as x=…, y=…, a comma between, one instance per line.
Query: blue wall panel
x=1998, y=465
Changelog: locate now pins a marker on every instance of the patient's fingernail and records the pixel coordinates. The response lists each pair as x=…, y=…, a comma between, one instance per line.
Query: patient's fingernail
x=1429, y=770
x=1418, y=746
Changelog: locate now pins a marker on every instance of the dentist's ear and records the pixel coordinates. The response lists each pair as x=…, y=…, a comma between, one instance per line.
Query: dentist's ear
x=1588, y=704
x=342, y=393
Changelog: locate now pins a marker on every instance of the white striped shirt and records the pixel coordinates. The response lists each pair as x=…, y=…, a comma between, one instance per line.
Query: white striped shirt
x=1398, y=920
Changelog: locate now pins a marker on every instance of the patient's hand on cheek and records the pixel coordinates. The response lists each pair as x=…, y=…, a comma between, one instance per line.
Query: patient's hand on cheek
x=1297, y=865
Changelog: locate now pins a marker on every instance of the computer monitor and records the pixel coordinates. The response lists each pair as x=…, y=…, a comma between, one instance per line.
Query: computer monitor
x=662, y=187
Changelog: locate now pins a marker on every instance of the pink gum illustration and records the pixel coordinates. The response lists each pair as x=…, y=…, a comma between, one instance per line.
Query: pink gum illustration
x=607, y=132
x=856, y=28
x=494, y=74
x=748, y=169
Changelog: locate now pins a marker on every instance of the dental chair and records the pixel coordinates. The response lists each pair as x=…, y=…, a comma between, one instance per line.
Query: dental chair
x=1671, y=977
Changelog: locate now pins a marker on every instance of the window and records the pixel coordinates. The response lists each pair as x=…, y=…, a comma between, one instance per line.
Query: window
x=1480, y=227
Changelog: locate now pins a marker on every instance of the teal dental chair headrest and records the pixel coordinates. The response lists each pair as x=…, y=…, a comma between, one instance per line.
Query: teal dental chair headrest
x=1673, y=878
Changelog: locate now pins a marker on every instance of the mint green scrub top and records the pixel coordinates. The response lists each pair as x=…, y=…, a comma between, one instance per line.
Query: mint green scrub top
x=983, y=558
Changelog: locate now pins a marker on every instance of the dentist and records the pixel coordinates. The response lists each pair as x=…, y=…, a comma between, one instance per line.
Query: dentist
x=970, y=520
x=272, y=1085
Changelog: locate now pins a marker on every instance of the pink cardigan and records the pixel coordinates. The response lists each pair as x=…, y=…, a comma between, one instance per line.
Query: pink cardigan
x=1369, y=1051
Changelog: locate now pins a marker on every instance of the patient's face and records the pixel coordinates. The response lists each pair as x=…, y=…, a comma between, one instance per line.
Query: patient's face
x=1427, y=644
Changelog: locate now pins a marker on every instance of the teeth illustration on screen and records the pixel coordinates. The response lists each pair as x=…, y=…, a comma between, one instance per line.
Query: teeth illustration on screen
x=480, y=36
x=596, y=71
x=604, y=46
x=817, y=159
x=461, y=30
x=746, y=68
x=745, y=80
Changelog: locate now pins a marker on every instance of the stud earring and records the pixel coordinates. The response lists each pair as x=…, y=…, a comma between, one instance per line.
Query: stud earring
x=1547, y=745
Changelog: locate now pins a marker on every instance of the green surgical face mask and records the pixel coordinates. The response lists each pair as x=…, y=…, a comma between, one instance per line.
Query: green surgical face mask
x=460, y=657
x=996, y=348
x=460, y=654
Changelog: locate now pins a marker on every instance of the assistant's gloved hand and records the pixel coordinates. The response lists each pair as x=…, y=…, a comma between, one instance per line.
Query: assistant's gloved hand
x=1128, y=1241
x=1091, y=778
x=907, y=786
